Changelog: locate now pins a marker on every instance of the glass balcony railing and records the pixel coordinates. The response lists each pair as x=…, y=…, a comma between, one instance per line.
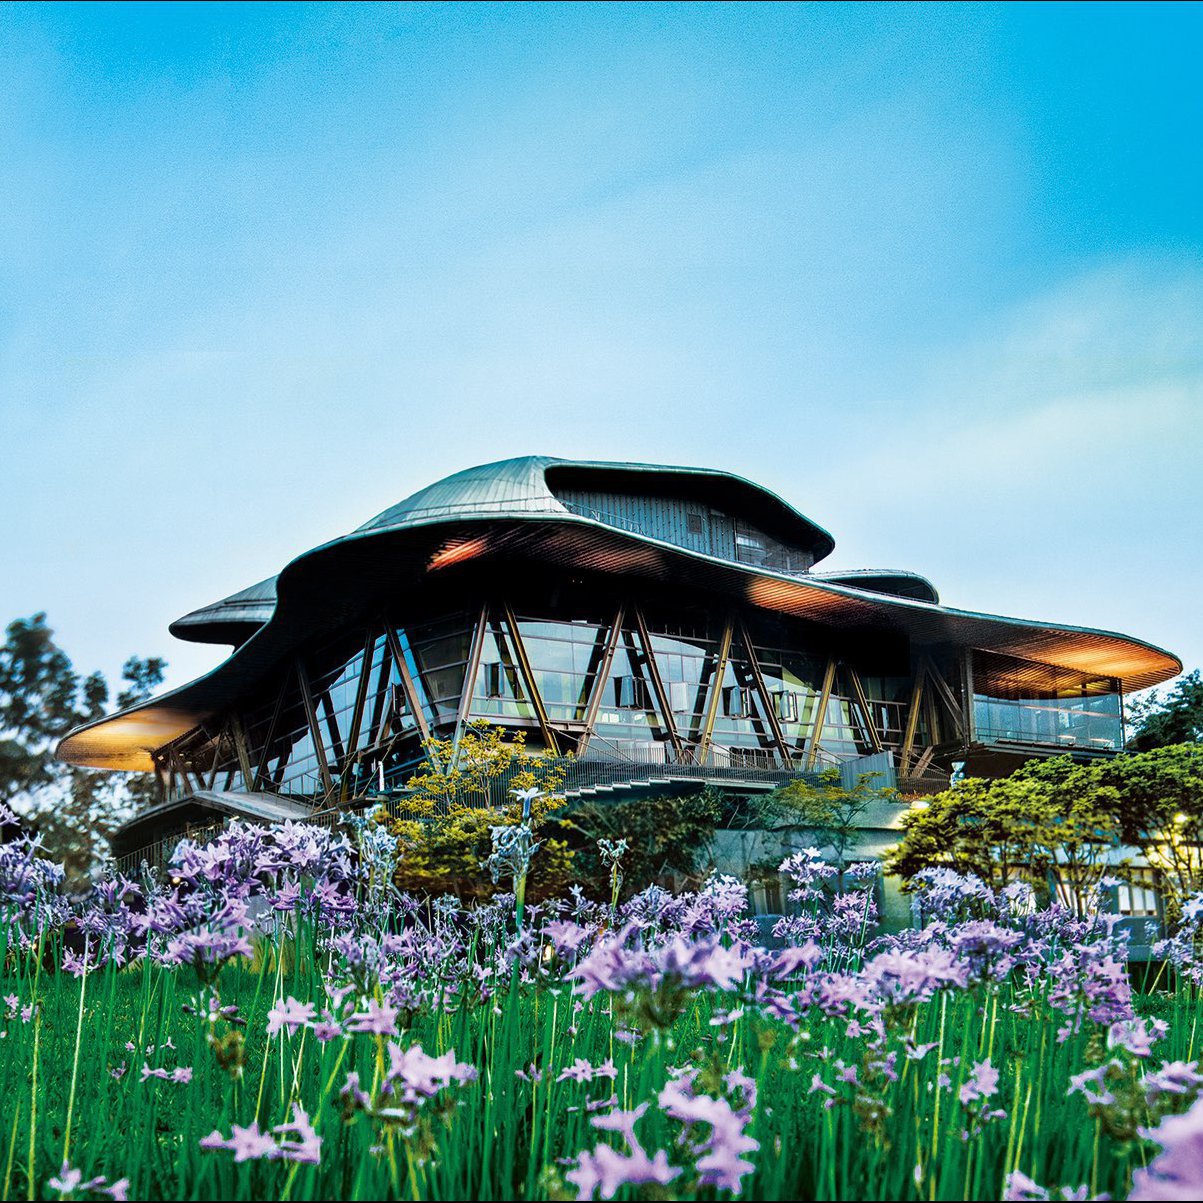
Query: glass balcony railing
x=1089, y=724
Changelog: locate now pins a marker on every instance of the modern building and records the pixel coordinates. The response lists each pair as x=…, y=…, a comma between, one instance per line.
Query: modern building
x=664, y=626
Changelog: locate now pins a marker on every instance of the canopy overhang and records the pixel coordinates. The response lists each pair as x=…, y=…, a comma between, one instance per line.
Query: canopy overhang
x=339, y=581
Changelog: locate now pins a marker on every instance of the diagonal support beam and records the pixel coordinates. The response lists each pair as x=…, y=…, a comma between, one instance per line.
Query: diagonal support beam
x=243, y=751
x=315, y=730
x=471, y=672
x=407, y=683
x=945, y=694
x=269, y=738
x=528, y=681
x=820, y=721
x=600, y=678
x=715, y=688
x=662, y=699
x=766, y=700
x=215, y=767
x=862, y=702
x=912, y=721
x=361, y=698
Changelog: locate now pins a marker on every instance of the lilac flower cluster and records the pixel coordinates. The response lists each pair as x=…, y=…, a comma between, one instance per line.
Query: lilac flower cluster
x=295, y=1140
x=1177, y=1170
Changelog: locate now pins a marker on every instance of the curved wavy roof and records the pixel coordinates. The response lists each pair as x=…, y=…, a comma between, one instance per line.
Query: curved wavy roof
x=893, y=581
x=508, y=508
x=518, y=486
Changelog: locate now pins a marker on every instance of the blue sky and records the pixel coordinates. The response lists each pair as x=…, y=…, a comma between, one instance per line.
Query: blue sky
x=934, y=273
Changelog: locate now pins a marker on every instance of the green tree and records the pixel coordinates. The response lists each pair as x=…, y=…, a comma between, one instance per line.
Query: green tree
x=669, y=840
x=1176, y=718
x=457, y=797
x=41, y=699
x=447, y=854
x=469, y=773
x=1160, y=806
x=825, y=813
x=1052, y=822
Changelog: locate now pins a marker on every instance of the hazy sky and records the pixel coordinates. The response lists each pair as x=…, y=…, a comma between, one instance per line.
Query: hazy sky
x=932, y=273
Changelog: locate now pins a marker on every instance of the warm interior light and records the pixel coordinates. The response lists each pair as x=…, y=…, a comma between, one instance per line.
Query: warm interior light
x=455, y=553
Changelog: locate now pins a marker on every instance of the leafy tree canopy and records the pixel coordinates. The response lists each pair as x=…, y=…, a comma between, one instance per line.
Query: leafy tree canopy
x=462, y=791
x=1176, y=718
x=1068, y=823
x=42, y=698
x=827, y=813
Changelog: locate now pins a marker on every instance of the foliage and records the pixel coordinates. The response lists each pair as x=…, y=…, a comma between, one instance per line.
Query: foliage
x=452, y=805
x=1160, y=808
x=1050, y=820
x=1176, y=718
x=668, y=841
x=478, y=770
x=41, y=699
x=446, y=855
x=826, y=813
x=1060, y=820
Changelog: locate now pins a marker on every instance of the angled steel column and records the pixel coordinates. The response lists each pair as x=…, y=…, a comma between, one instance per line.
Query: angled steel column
x=160, y=776
x=816, y=733
x=601, y=677
x=315, y=731
x=471, y=671
x=862, y=701
x=212, y=783
x=766, y=701
x=381, y=699
x=338, y=751
x=272, y=727
x=243, y=751
x=944, y=691
x=912, y=722
x=407, y=683
x=715, y=688
x=662, y=699
x=528, y=681
x=361, y=697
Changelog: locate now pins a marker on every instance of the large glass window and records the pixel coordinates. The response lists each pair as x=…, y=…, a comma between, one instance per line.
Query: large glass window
x=1020, y=701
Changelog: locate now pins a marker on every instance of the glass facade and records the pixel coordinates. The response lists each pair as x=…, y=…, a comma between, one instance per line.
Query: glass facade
x=1023, y=702
x=675, y=681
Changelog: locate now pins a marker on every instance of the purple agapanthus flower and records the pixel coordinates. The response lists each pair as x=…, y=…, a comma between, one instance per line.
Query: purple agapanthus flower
x=377, y=1018
x=1177, y=1171
x=981, y=1085
x=718, y=1153
x=604, y=1170
x=299, y=1142
x=290, y=1014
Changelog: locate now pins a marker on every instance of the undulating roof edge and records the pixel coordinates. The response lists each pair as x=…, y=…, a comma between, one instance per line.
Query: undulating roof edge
x=124, y=740
x=503, y=487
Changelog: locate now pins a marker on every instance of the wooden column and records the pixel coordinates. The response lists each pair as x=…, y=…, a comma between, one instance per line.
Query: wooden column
x=816, y=734
x=601, y=677
x=715, y=689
